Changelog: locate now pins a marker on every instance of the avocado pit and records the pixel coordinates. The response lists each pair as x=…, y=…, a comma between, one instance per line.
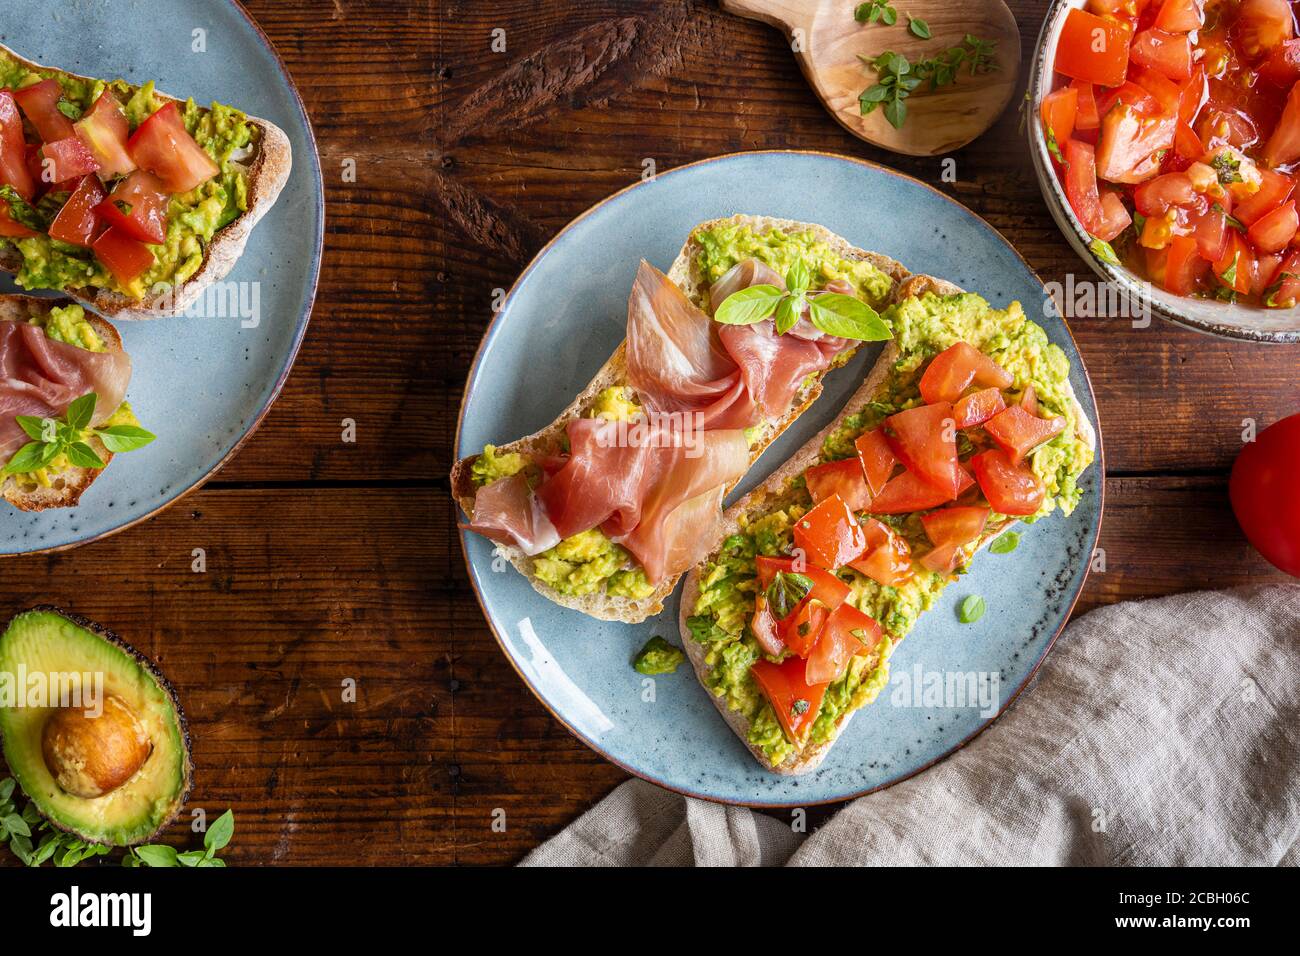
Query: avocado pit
x=90, y=756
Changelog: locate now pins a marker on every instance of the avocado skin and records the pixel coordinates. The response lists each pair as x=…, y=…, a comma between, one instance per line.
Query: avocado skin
x=149, y=667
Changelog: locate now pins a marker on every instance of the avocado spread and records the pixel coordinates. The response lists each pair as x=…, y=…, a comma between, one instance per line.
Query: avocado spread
x=923, y=327
x=193, y=218
x=658, y=657
x=92, y=733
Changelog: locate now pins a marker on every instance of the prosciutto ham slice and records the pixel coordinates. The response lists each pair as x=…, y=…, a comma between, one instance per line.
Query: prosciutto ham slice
x=42, y=377
x=507, y=511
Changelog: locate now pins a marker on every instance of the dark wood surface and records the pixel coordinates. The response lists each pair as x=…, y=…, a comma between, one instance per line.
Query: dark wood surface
x=329, y=561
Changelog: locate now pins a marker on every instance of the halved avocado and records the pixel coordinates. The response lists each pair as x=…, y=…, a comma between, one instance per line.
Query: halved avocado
x=115, y=773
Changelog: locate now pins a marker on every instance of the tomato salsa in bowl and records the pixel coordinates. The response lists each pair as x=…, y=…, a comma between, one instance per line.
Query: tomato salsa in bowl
x=1166, y=138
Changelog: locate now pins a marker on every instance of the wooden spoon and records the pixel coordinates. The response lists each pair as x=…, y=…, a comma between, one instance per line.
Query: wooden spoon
x=827, y=41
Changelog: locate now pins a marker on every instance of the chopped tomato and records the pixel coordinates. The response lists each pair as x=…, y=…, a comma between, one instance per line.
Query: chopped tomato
x=1129, y=94
x=959, y=524
x=1287, y=280
x=1284, y=145
x=1192, y=96
x=955, y=369
x=138, y=207
x=163, y=146
x=1187, y=145
x=847, y=633
x=1011, y=489
x=795, y=702
x=1236, y=267
x=76, y=222
x=1267, y=266
x=801, y=629
x=763, y=625
x=1019, y=432
x=978, y=407
x=876, y=457
x=13, y=149
x=826, y=588
x=1129, y=148
x=1058, y=111
x=1086, y=116
x=925, y=440
x=1155, y=196
x=1274, y=232
x=1263, y=26
x=888, y=559
x=907, y=492
x=40, y=103
x=1167, y=94
x=1181, y=16
x=13, y=230
x=1081, y=185
x=105, y=131
x=1115, y=217
x=1093, y=48
x=1167, y=53
x=1029, y=399
x=1274, y=189
x=829, y=534
x=67, y=159
x=127, y=258
x=942, y=559
x=1283, y=65
x=843, y=478
x=1184, y=267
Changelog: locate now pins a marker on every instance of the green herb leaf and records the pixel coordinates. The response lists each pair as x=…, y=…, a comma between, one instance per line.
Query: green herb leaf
x=83, y=456
x=16, y=824
x=1104, y=251
x=971, y=610
x=219, y=834
x=872, y=97
x=123, y=438
x=33, y=426
x=81, y=411
x=896, y=113
x=798, y=278
x=21, y=211
x=159, y=855
x=1006, y=543
x=800, y=706
x=1053, y=147
x=749, y=305
x=847, y=317
x=788, y=312
x=918, y=27
x=28, y=458
x=785, y=592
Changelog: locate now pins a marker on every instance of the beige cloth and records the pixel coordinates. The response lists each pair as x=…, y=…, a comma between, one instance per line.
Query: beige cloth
x=1157, y=732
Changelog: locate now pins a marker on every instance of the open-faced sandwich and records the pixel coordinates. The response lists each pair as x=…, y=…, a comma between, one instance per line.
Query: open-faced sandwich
x=63, y=409
x=605, y=508
x=966, y=425
x=126, y=199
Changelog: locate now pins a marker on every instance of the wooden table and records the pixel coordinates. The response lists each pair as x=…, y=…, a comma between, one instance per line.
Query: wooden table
x=329, y=561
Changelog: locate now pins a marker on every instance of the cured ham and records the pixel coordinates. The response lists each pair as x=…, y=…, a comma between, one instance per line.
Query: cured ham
x=507, y=511
x=42, y=377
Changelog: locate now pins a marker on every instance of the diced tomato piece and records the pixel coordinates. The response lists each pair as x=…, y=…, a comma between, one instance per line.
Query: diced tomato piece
x=67, y=159
x=105, y=131
x=795, y=702
x=1184, y=267
x=163, y=146
x=801, y=629
x=955, y=369
x=888, y=559
x=959, y=524
x=1263, y=26
x=1167, y=94
x=1274, y=232
x=1081, y=185
x=1193, y=95
x=876, y=457
x=1187, y=145
x=1167, y=53
x=1086, y=116
x=829, y=534
x=978, y=407
x=1181, y=16
x=1284, y=145
x=826, y=588
x=1155, y=196
x=126, y=258
x=40, y=103
x=1092, y=48
x=1236, y=267
x=13, y=230
x=1011, y=489
x=941, y=559
x=76, y=222
x=1019, y=432
x=765, y=628
x=138, y=207
x=1274, y=189
x=1129, y=94
x=1029, y=399
x=908, y=492
x=1283, y=65
x=1287, y=293
x=13, y=149
x=1058, y=110
x=843, y=478
x=1129, y=148
x=1115, y=217
x=846, y=633
x=1267, y=266
x=925, y=440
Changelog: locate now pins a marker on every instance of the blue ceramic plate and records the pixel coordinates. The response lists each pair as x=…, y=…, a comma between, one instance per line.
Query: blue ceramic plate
x=202, y=384
x=564, y=317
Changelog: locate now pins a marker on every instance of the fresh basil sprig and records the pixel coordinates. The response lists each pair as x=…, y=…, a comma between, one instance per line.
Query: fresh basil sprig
x=160, y=855
x=842, y=316
x=785, y=592
x=67, y=436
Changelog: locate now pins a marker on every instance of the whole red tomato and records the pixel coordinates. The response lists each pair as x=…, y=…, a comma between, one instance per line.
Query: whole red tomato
x=1265, y=493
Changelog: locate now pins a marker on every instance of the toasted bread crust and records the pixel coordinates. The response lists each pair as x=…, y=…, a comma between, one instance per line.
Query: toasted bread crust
x=807, y=758
x=268, y=171
x=684, y=273
x=69, y=485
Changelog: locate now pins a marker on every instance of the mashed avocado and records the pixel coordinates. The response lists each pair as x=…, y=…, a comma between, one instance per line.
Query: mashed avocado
x=658, y=657
x=725, y=245
x=923, y=327
x=489, y=466
x=193, y=217
x=68, y=324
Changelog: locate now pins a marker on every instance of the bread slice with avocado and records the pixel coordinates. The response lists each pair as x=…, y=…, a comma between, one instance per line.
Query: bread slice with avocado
x=718, y=598
x=571, y=573
x=208, y=228
x=61, y=483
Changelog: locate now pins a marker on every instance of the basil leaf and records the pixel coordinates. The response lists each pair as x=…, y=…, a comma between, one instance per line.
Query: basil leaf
x=33, y=426
x=896, y=113
x=191, y=858
x=788, y=312
x=81, y=411
x=871, y=97
x=120, y=438
x=971, y=610
x=1104, y=251
x=798, y=278
x=83, y=456
x=748, y=305
x=847, y=317
x=1005, y=544
x=918, y=27
x=785, y=592
x=219, y=834
x=211, y=861
x=7, y=788
x=157, y=855
x=16, y=824
x=28, y=458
